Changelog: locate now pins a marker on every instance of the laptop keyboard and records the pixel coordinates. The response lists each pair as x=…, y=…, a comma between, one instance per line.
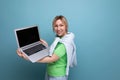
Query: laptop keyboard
x=34, y=49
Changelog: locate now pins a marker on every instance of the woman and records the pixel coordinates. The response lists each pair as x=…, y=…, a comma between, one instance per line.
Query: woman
x=62, y=51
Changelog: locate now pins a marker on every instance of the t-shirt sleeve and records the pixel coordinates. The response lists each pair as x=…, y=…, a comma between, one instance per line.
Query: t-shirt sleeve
x=60, y=50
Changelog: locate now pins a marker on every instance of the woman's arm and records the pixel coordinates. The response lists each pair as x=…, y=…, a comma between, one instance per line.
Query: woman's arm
x=49, y=59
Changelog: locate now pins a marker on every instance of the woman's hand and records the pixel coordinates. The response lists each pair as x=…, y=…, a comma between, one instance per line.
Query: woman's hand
x=21, y=54
x=44, y=42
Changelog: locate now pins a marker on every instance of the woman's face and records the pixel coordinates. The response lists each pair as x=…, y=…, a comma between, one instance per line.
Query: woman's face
x=60, y=28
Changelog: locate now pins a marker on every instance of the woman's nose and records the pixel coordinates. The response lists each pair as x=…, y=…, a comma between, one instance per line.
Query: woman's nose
x=58, y=28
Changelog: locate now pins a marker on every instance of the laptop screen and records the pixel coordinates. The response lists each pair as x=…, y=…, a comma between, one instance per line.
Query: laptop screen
x=27, y=36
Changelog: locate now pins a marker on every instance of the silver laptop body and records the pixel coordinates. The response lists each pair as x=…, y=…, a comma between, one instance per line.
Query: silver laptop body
x=28, y=41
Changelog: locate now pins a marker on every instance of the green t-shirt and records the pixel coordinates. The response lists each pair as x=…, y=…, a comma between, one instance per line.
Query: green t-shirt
x=58, y=68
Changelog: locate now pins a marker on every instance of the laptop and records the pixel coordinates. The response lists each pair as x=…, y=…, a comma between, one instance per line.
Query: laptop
x=28, y=41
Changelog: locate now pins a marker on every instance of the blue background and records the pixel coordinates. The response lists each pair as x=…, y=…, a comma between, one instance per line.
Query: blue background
x=95, y=23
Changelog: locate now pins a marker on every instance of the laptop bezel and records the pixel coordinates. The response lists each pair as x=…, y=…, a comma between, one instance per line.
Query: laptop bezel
x=15, y=30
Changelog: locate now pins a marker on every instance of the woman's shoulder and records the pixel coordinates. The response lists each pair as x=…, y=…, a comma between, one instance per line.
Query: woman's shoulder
x=70, y=34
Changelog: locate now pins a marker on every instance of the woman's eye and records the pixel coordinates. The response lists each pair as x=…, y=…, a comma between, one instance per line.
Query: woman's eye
x=61, y=25
x=56, y=26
